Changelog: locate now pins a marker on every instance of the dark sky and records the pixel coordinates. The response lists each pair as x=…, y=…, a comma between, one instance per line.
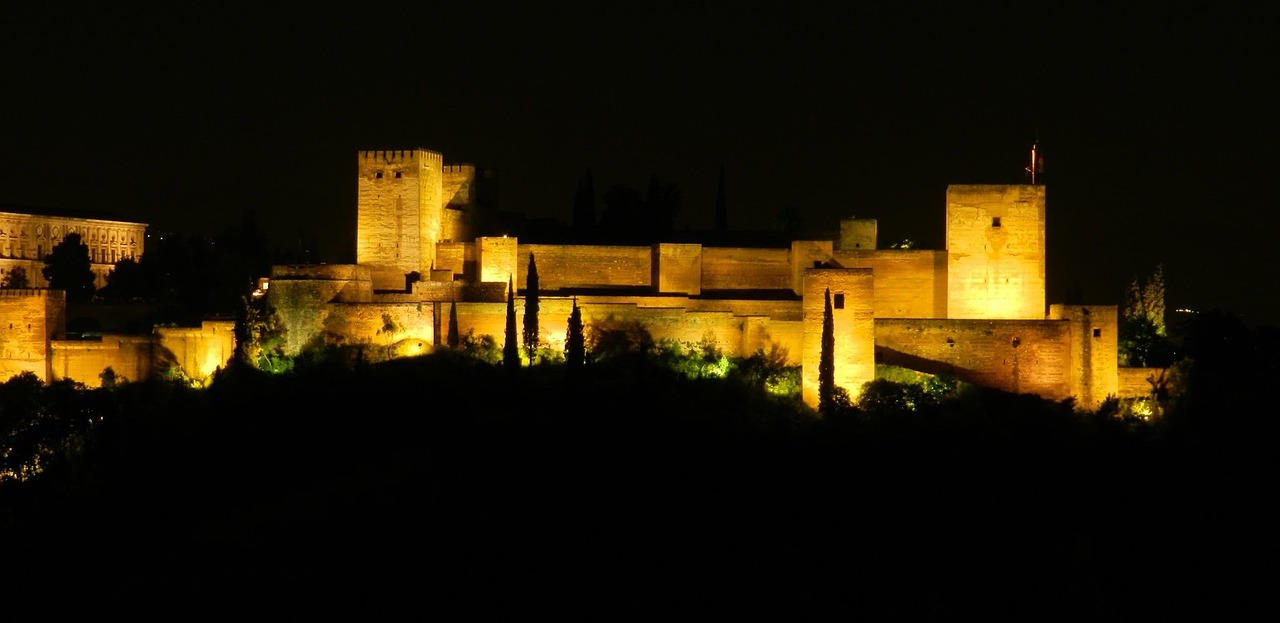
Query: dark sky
x=1156, y=123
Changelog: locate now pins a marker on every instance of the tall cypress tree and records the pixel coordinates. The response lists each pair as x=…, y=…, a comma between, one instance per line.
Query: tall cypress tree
x=510, y=348
x=575, y=339
x=530, y=336
x=827, y=362
x=453, y=325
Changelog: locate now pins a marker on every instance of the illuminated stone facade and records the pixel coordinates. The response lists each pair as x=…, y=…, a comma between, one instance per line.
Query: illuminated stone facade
x=976, y=309
x=26, y=238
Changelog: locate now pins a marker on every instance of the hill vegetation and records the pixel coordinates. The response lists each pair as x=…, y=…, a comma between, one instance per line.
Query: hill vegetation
x=629, y=488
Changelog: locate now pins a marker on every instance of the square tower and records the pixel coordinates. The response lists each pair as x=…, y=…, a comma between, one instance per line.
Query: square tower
x=995, y=252
x=400, y=210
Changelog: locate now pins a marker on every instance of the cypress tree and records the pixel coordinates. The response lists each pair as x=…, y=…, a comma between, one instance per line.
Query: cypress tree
x=510, y=348
x=530, y=336
x=826, y=364
x=453, y=325
x=722, y=208
x=575, y=340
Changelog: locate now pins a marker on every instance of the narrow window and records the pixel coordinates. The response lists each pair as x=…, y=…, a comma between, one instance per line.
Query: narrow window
x=1097, y=332
x=1017, y=342
x=838, y=301
x=378, y=175
x=995, y=221
x=397, y=175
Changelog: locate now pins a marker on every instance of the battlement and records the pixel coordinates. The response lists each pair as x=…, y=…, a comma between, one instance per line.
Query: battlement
x=459, y=169
x=30, y=293
x=403, y=156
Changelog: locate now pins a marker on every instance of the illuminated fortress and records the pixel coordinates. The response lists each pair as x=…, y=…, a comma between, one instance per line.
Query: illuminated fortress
x=975, y=310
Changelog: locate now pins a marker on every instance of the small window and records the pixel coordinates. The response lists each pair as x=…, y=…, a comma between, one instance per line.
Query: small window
x=378, y=175
x=1017, y=342
x=397, y=175
x=1097, y=332
x=995, y=221
x=838, y=301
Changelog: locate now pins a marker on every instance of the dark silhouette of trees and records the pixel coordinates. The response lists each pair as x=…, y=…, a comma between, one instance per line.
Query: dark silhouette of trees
x=630, y=217
x=529, y=337
x=15, y=278
x=826, y=362
x=68, y=268
x=454, y=338
x=511, y=347
x=575, y=339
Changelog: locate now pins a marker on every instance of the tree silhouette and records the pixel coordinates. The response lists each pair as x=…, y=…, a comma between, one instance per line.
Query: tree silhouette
x=584, y=208
x=530, y=335
x=575, y=339
x=15, y=278
x=453, y=325
x=826, y=363
x=510, y=348
x=67, y=267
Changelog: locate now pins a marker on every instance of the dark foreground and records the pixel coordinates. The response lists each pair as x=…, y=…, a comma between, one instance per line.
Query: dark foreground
x=423, y=490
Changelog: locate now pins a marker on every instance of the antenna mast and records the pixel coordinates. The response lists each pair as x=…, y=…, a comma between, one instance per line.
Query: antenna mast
x=1037, y=162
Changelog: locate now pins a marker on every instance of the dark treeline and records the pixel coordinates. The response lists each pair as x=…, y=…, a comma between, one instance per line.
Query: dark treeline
x=623, y=490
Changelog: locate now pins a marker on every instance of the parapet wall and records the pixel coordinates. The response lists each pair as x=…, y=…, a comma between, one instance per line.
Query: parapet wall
x=583, y=266
x=908, y=283
x=130, y=357
x=1020, y=356
x=728, y=268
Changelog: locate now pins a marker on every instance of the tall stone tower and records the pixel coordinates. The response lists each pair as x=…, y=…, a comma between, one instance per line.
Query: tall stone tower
x=995, y=252
x=400, y=212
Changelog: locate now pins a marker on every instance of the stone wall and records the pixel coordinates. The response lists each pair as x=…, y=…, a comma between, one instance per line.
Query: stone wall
x=399, y=212
x=1021, y=356
x=677, y=268
x=581, y=266
x=731, y=268
x=130, y=357
x=907, y=283
x=1094, y=351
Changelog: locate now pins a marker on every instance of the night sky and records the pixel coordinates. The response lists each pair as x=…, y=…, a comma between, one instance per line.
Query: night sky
x=1156, y=124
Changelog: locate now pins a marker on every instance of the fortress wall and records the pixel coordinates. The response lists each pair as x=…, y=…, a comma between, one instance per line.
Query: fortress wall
x=764, y=334
x=996, y=251
x=348, y=283
x=498, y=260
x=197, y=351
x=807, y=254
x=457, y=257
x=677, y=268
x=575, y=266
x=29, y=319
x=382, y=324
x=454, y=225
x=457, y=185
x=730, y=268
x=983, y=351
x=1094, y=337
x=854, y=329
x=1139, y=382
x=131, y=357
x=907, y=283
x=776, y=310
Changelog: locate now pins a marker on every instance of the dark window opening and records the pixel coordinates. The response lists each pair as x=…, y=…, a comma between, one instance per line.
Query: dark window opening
x=995, y=221
x=397, y=175
x=1017, y=342
x=378, y=175
x=1097, y=332
x=838, y=301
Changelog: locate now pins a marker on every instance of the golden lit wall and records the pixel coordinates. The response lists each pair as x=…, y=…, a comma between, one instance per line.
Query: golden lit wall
x=1094, y=351
x=459, y=258
x=677, y=268
x=996, y=251
x=399, y=212
x=577, y=266
x=1139, y=382
x=908, y=283
x=807, y=254
x=854, y=329
x=499, y=259
x=301, y=295
x=197, y=351
x=857, y=234
x=457, y=192
x=25, y=239
x=130, y=357
x=29, y=319
x=402, y=328
x=732, y=268
x=1024, y=356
